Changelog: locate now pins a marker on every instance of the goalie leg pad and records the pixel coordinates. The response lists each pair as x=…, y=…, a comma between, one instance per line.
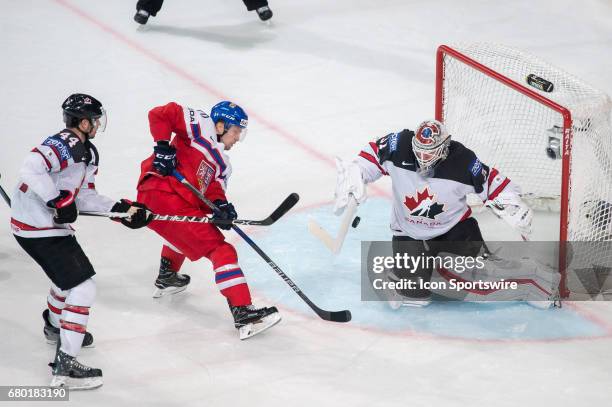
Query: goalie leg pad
x=534, y=281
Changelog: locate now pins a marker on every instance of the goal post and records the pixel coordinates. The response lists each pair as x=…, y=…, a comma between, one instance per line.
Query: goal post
x=545, y=129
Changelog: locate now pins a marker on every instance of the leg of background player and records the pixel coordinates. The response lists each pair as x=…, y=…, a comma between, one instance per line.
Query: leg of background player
x=146, y=8
x=263, y=10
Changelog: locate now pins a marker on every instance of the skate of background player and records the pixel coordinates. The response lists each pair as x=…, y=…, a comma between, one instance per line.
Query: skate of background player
x=313, y=45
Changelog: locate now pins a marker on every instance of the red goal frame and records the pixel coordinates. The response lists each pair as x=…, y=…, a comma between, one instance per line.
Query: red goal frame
x=444, y=51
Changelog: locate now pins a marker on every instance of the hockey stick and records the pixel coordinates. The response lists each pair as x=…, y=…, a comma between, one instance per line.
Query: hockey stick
x=335, y=316
x=4, y=195
x=282, y=209
x=278, y=213
x=335, y=244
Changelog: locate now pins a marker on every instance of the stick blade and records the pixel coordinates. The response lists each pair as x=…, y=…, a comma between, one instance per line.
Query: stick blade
x=283, y=208
x=335, y=316
x=317, y=231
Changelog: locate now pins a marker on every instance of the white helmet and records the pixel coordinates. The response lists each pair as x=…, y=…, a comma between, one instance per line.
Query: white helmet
x=430, y=144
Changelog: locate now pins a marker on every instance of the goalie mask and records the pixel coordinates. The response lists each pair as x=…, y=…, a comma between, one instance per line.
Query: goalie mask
x=430, y=144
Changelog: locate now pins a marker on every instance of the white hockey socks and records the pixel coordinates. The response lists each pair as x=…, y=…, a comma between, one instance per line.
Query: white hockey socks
x=73, y=323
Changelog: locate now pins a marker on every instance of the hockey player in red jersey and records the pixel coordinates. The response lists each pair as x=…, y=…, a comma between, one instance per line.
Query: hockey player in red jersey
x=431, y=177
x=197, y=151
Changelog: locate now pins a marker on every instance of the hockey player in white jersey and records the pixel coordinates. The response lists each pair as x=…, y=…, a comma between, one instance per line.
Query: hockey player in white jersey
x=56, y=181
x=431, y=177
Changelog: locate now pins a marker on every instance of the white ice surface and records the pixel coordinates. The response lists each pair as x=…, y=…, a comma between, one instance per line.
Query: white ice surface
x=322, y=79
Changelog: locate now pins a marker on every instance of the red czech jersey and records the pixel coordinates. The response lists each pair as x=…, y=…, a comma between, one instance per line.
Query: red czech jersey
x=200, y=157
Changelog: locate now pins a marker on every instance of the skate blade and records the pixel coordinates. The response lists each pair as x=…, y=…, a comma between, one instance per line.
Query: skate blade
x=416, y=303
x=250, y=330
x=162, y=292
x=542, y=304
x=76, y=384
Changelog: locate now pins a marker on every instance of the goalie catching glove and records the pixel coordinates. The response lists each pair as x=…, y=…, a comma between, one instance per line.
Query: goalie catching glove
x=349, y=183
x=509, y=206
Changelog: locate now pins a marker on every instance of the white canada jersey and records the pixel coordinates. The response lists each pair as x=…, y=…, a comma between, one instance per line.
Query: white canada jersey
x=427, y=207
x=61, y=162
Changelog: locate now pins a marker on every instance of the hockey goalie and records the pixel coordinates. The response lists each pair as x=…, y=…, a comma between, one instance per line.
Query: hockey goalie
x=431, y=176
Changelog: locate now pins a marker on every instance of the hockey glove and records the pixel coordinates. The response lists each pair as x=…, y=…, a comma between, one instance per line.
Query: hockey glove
x=65, y=207
x=226, y=212
x=349, y=183
x=140, y=216
x=511, y=208
x=164, y=160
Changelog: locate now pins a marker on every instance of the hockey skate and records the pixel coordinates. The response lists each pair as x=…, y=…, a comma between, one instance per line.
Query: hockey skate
x=399, y=301
x=553, y=302
x=141, y=17
x=264, y=13
x=69, y=372
x=251, y=321
x=396, y=299
x=169, y=281
x=52, y=333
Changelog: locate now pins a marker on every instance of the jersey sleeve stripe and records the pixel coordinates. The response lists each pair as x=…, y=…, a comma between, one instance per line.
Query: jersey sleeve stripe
x=467, y=214
x=373, y=160
x=24, y=226
x=492, y=176
x=499, y=189
x=63, y=163
x=374, y=147
x=35, y=150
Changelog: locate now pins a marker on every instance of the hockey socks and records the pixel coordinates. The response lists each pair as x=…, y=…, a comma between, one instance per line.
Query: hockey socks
x=53, y=314
x=174, y=257
x=232, y=284
x=73, y=322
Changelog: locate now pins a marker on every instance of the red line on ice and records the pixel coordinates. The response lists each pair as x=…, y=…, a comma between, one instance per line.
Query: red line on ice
x=180, y=72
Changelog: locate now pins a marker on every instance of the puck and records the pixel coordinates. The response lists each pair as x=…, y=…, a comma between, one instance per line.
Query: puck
x=355, y=221
x=540, y=83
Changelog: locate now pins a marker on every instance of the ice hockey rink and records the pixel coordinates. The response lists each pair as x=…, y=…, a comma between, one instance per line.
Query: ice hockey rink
x=322, y=79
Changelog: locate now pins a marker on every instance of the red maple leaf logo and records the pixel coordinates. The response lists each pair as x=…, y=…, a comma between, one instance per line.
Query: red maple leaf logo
x=412, y=203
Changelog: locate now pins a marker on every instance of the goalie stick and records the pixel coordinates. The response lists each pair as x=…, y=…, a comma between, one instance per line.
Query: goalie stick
x=335, y=244
x=334, y=316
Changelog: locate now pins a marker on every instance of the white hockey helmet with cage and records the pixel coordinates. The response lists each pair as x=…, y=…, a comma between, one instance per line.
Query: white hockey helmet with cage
x=430, y=143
